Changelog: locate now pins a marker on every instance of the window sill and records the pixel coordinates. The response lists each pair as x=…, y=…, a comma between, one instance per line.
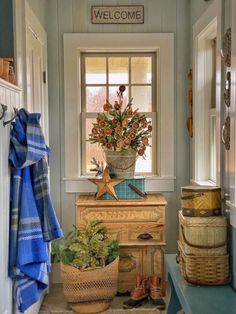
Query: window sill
x=203, y=183
x=152, y=184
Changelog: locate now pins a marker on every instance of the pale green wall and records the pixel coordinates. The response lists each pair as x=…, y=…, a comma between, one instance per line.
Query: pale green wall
x=197, y=8
x=40, y=10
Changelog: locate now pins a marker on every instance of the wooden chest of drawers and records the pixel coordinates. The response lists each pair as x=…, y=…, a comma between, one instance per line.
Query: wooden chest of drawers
x=138, y=225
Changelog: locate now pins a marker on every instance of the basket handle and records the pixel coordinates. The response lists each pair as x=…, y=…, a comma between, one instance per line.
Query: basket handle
x=190, y=197
x=201, y=246
x=177, y=257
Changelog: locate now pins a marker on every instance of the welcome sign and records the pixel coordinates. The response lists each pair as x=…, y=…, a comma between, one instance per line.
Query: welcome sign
x=123, y=14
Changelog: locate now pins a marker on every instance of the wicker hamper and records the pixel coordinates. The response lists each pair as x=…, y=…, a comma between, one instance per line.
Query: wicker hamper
x=191, y=249
x=204, y=270
x=200, y=201
x=90, y=291
x=203, y=233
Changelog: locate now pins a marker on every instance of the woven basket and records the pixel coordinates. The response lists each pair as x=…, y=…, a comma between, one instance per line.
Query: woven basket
x=202, y=250
x=204, y=270
x=203, y=232
x=201, y=201
x=90, y=291
x=202, y=239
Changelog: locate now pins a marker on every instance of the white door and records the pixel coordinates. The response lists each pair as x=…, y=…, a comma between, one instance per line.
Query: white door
x=36, y=74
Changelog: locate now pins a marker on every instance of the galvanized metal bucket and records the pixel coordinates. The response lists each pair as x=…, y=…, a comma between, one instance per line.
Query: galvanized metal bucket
x=121, y=164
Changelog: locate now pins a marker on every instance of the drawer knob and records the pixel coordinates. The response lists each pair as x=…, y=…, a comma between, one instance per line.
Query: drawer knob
x=144, y=236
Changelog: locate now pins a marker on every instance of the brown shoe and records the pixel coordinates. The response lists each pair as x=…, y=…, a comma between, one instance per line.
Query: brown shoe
x=155, y=292
x=139, y=294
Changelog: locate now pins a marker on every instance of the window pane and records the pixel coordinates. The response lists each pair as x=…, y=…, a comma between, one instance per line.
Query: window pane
x=95, y=70
x=113, y=95
x=213, y=148
x=142, y=98
x=145, y=165
x=141, y=70
x=95, y=98
x=118, y=69
x=92, y=150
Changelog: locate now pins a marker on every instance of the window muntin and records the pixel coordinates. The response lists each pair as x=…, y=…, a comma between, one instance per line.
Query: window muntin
x=213, y=145
x=211, y=70
x=137, y=71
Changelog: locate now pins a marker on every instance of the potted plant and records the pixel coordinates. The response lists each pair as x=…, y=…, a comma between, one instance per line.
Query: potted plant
x=123, y=134
x=89, y=267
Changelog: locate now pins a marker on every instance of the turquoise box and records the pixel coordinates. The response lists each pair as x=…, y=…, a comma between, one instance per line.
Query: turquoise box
x=124, y=192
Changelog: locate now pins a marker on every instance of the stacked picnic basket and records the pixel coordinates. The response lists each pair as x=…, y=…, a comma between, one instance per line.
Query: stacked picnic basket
x=202, y=241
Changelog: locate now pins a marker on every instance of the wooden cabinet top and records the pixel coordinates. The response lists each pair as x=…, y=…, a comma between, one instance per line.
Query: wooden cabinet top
x=149, y=200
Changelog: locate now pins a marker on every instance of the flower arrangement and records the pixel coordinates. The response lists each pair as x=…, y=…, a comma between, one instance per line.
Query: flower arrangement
x=117, y=129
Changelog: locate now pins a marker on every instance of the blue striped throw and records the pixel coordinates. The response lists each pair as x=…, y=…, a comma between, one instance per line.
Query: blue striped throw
x=33, y=222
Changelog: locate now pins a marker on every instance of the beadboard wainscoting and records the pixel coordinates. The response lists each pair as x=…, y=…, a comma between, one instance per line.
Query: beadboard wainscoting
x=9, y=96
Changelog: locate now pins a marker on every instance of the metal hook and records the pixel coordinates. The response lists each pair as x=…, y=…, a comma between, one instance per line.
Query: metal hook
x=9, y=121
x=4, y=109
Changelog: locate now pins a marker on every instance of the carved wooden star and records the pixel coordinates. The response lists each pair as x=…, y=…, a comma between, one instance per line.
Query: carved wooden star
x=106, y=184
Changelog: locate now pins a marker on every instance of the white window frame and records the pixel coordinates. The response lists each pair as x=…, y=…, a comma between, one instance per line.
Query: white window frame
x=212, y=144
x=74, y=45
x=149, y=114
x=206, y=28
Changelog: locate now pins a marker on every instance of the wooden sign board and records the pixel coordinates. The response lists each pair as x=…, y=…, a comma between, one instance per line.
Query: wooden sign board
x=122, y=14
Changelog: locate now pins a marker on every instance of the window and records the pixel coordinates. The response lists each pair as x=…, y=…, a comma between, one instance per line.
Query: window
x=207, y=97
x=211, y=72
x=114, y=47
x=102, y=73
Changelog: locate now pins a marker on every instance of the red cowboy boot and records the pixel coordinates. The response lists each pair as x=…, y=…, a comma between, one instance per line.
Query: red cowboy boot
x=155, y=292
x=139, y=294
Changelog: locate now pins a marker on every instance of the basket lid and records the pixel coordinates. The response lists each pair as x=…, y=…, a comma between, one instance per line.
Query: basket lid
x=200, y=188
x=216, y=221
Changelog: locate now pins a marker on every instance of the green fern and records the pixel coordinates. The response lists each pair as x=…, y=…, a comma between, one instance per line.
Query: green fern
x=86, y=248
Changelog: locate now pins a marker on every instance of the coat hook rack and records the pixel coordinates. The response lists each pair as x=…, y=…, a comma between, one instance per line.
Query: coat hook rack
x=9, y=121
x=4, y=109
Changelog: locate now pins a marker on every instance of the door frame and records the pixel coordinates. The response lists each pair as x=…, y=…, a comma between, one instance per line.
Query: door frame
x=24, y=18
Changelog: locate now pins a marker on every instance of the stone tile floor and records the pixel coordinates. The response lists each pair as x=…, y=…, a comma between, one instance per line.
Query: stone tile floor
x=55, y=303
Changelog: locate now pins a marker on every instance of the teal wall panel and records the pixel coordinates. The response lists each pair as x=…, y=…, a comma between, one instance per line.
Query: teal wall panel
x=6, y=29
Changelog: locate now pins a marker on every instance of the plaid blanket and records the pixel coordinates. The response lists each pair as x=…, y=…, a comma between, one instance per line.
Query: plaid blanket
x=32, y=217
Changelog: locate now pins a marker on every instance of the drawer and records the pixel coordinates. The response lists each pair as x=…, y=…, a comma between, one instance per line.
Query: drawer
x=122, y=214
x=146, y=234
x=137, y=233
